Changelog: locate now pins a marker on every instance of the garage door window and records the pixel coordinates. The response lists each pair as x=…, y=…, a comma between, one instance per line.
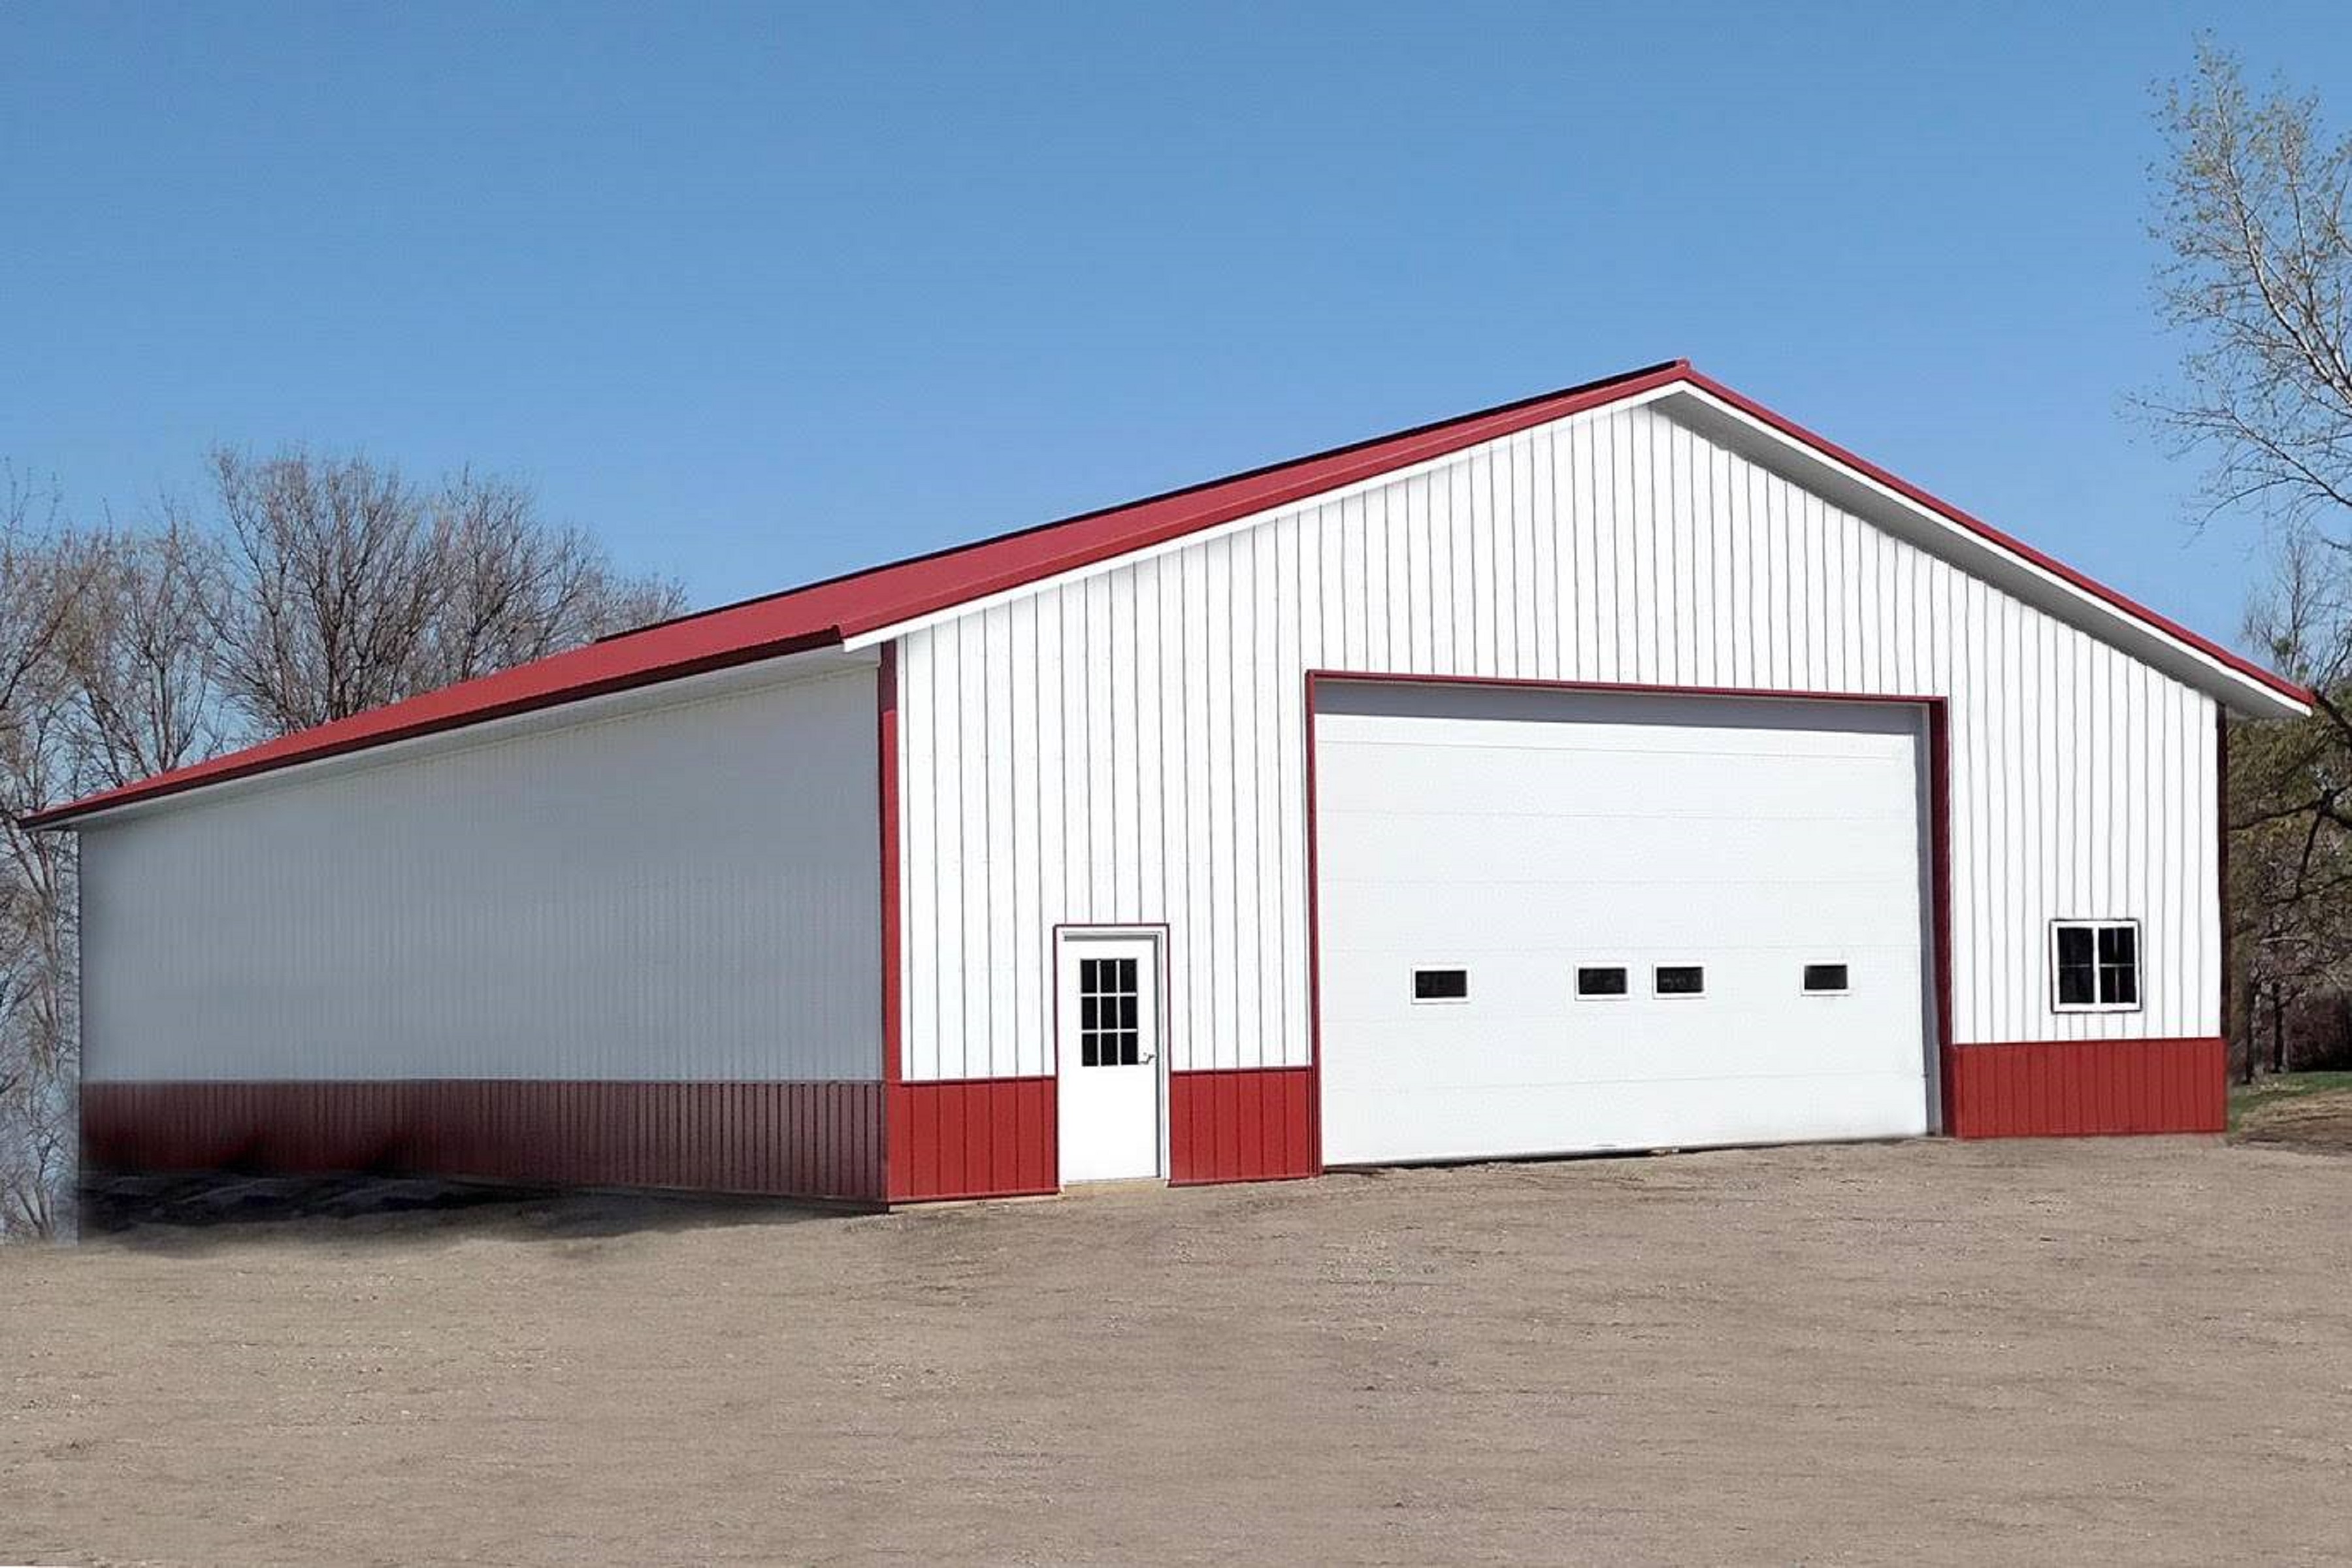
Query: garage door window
x=1826, y=980
x=1679, y=980
x=1600, y=980
x=2095, y=966
x=1440, y=985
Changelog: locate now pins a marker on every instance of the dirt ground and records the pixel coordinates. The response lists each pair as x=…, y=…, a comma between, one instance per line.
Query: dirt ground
x=2125, y=1350
x=2321, y=1120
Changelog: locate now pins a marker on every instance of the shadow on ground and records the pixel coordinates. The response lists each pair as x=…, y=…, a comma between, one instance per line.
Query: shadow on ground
x=179, y=1211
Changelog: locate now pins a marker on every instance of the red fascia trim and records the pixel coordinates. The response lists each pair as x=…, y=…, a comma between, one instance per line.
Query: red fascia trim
x=1987, y=532
x=456, y=707
x=1083, y=540
x=828, y=613
x=1939, y=833
x=1373, y=455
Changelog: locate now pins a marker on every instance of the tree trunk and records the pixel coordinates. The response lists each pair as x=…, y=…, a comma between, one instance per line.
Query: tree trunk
x=2237, y=1028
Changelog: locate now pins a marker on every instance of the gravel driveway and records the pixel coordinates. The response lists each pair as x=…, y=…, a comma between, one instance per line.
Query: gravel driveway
x=2097, y=1351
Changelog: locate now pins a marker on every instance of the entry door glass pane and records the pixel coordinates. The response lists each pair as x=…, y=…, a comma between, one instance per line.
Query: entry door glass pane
x=1110, y=1025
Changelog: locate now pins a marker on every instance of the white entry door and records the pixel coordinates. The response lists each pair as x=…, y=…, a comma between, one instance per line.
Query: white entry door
x=1109, y=1022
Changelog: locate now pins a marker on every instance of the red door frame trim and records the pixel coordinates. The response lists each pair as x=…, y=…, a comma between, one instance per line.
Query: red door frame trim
x=1938, y=834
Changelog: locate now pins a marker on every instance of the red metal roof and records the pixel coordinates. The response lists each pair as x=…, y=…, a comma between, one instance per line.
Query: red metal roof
x=826, y=614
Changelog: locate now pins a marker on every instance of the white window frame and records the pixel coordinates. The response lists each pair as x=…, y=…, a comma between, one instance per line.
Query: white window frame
x=1412, y=985
x=2094, y=924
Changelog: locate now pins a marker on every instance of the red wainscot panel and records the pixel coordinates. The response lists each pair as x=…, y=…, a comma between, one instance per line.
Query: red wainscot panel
x=2065, y=1089
x=972, y=1138
x=809, y=1139
x=1254, y=1124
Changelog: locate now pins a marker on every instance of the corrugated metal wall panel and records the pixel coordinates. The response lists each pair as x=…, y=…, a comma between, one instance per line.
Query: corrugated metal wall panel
x=1151, y=718
x=806, y=1140
x=1252, y=1125
x=689, y=892
x=2044, y=1089
x=971, y=1139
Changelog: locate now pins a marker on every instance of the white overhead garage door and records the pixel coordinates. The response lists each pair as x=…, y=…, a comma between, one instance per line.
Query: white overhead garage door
x=1555, y=921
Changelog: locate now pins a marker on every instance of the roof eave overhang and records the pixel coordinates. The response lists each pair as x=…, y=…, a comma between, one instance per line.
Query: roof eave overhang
x=470, y=728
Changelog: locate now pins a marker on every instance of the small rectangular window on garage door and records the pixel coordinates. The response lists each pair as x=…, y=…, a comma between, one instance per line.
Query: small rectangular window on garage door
x=1679, y=980
x=1600, y=980
x=1440, y=985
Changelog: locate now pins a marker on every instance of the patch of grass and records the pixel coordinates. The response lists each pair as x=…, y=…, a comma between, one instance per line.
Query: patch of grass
x=2247, y=1097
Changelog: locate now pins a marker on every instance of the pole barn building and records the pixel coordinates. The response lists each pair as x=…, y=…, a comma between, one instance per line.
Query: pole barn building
x=1621, y=769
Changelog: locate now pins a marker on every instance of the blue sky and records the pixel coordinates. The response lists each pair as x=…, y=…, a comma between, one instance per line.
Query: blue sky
x=761, y=294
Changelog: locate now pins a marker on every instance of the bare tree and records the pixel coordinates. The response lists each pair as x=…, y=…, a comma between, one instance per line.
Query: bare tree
x=344, y=585
x=146, y=675
x=2257, y=280
x=45, y=573
x=2252, y=209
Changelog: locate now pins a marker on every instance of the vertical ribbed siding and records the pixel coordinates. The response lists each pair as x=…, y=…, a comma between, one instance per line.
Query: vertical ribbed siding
x=1254, y=1125
x=1143, y=727
x=806, y=1139
x=687, y=892
x=2043, y=1089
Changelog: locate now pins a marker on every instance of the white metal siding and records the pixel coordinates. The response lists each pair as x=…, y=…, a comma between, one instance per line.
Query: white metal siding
x=1521, y=833
x=1129, y=745
x=684, y=891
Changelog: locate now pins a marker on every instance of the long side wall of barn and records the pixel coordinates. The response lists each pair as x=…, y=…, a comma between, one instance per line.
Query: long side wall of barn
x=636, y=948
x=1130, y=746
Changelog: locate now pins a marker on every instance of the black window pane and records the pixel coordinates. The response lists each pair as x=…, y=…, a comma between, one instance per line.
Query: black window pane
x=1087, y=1018
x=1608, y=980
x=2119, y=944
x=1130, y=1048
x=1680, y=980
x=2119, y=985
x=1825, y=977
x=2073, y=947
x=1126, y=1011
x=1440, y=985
x=1127, y=974
x=1089, y=1051
x=1087, y=970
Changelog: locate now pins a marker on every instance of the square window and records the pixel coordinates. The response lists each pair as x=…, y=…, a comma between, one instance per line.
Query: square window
x=2095, y=966
x=1440, y=985
x=1600, y=980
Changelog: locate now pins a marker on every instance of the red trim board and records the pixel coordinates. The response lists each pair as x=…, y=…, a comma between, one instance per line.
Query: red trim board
x=827, y=614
